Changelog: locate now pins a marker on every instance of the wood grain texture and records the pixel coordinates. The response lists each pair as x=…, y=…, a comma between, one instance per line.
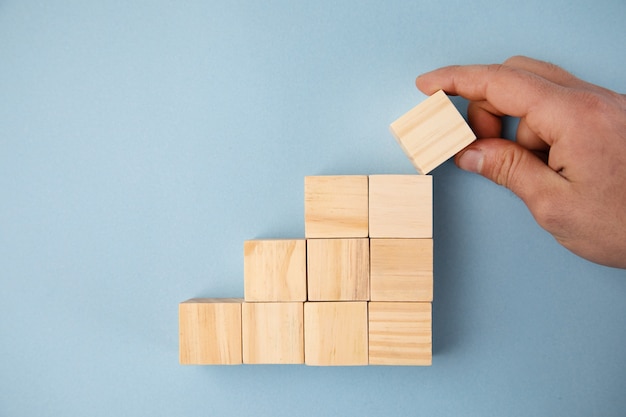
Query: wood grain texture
x=275, y=270
x=338, y=269
x=400, y=333
x=273, y=333
x=432, y=132
x=210, y=331
x=401, y=206
x=335, y=333
x=401, y=269
x=335, y=206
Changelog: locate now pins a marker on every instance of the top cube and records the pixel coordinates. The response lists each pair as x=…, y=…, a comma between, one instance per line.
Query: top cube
x=336, y=206
x=432, y=132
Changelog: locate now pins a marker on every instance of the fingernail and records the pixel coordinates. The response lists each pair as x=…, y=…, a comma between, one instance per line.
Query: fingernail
x=471, y=160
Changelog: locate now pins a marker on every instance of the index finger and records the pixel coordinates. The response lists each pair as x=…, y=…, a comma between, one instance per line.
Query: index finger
x=511, y=91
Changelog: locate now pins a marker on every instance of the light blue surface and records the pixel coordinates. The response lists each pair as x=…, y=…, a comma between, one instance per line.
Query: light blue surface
x=142, y=142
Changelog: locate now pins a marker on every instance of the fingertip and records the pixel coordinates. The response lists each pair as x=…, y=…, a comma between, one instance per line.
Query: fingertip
x=471, y=160
x=421, y=82
x=429, y=82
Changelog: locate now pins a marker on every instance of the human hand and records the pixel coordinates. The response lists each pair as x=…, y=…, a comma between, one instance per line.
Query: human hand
x=568, y=163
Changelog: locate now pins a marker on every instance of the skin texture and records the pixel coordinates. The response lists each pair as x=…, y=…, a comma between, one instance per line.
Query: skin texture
x=568, y=163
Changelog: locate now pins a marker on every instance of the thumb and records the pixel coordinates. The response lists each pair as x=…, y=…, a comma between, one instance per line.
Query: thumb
x=512, y=166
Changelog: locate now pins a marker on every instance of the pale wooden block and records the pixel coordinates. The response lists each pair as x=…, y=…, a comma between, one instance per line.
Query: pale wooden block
x=210, y=331
x=432, y=132
x=275, y=270
x=401, y=206
x=401, y=269
x=335, y=206
x=400, y=333
x=273, y=333
x=335, y=333
x=338, y=269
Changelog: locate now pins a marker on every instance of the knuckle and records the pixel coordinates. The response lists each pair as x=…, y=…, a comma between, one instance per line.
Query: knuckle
x=503, y=171
x=596, y=107
x=597, y=101
x=590, y=100
x=513, y=60
x=495, y=68
x=553, y=68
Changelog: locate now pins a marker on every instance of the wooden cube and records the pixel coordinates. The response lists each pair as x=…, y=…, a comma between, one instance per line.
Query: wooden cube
x=275, y=270
x=401, y=206
x=401, y=269
x=335, y=333
x=338, y=269
x=273, y=333
x=400, y=333
x=210, y=331
x=432, y=132
x=335, y=206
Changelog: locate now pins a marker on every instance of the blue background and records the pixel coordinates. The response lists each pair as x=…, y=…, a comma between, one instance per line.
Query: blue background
x=142, y=142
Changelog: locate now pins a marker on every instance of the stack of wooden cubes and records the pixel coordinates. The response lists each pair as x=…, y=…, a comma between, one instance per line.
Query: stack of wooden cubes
x=356, y=291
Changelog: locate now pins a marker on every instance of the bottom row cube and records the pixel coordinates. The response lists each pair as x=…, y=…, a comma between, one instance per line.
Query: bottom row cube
x=231, y=331
x=210, y=331
x=336, y=333
x=272, y=333
x=400, y=333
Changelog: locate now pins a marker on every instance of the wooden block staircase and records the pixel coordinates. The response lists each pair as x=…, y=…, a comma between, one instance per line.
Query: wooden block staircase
x=358, y=288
